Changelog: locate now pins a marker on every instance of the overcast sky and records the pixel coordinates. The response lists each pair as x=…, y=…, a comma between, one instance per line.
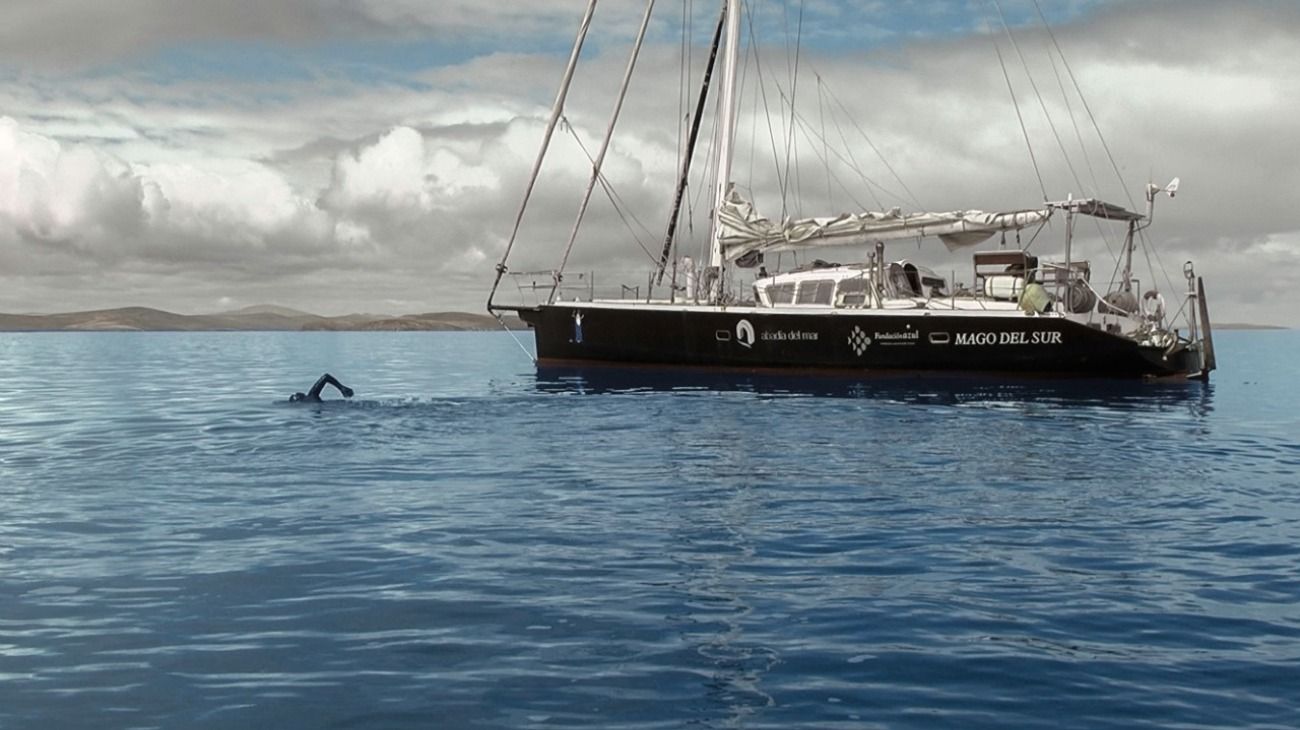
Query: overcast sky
x=369, y=155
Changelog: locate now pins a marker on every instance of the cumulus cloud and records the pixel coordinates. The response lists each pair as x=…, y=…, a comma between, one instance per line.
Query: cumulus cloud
x=54, y=194
x=400, y=173
x=72, y=198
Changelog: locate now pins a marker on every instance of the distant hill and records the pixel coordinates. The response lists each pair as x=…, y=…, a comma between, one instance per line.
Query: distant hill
x=272, y=318
x=257, y=318
x=267, y=309
x=1242, y=326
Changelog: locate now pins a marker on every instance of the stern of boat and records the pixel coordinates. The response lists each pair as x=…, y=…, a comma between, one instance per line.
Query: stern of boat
x=1202, y=332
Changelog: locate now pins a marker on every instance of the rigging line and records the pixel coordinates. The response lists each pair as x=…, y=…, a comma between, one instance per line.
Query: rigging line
x=753, y=121
x=1155, y=251
x=879, y=155
x=684, y=82
x=785, y=124
x=1084, y=100
x=812, y=136
x=1102, y=230
x=806, y=127
x=821, y=114
x=597, y=164
x=615, y=200
x=870, y=185
x=1023, y=131
x=1147, y=248
x=752, y=52
x=783, y=172
x=1146, y=252
x=1097, y=223
x=501, y=320
x=621, y=206
x=1034, y=85
x=556, y=111
x=742, y=84
x=1078, y=133
x=791, y=149
x=708, y=182
x=812, y=139
x=767, y=107
x=1119, y=260
x=624, y=213
x=853, y=164
x=688, y=154
x=1041, y=227
x=1083, y=152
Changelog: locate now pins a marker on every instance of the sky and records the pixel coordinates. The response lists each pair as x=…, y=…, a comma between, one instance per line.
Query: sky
x=371, y=155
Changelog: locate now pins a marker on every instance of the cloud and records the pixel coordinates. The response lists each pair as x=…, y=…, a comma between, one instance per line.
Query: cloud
x=75, y=34
x=176, y=190
x=399, y=172
x=53, y=195
x=82, y=201
x=417, y=204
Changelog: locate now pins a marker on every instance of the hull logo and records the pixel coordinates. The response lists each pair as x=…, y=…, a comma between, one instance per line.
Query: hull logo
x=859, y=341
x=745, y=333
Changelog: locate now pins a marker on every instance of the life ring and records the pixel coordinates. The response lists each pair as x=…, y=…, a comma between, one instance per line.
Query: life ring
x=1153, y=306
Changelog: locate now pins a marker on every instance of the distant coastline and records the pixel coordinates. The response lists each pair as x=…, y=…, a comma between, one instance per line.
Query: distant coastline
x=270, y=318
x=1246, y=326
x=266, y=318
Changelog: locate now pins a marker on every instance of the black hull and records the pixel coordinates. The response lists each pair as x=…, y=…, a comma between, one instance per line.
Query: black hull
x=861, y=342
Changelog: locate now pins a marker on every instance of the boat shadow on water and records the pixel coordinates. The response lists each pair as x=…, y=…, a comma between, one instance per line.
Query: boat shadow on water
x=920, y=389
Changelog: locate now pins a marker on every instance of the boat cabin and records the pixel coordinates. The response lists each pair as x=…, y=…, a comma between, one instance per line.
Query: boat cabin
x=847, y=287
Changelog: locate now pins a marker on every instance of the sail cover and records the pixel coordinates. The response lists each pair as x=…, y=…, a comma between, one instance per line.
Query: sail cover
x=742, y=230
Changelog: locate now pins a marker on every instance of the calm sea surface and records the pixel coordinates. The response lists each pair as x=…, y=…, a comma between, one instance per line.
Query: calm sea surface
x=472, y=544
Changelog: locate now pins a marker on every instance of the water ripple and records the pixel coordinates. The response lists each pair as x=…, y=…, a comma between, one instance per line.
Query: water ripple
x=473, y=544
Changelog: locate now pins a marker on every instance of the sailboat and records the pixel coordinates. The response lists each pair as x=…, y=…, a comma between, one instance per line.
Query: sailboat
x=1023, y=314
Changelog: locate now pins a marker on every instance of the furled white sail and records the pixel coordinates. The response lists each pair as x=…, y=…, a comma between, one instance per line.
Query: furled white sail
x=742, y=230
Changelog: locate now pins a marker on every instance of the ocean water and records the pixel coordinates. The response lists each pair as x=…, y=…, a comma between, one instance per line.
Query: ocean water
x=472, y=544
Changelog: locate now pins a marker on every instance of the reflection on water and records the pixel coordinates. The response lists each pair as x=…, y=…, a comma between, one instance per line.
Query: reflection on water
x=711, y=546
x=919, y=389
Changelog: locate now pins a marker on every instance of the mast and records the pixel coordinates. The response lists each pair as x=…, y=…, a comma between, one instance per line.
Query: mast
x=1128, y=255
x=727, y=132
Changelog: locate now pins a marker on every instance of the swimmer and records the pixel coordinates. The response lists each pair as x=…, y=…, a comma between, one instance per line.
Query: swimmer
x=313, y=395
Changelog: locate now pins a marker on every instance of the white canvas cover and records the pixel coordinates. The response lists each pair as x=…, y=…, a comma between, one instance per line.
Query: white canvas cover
x=743, y=230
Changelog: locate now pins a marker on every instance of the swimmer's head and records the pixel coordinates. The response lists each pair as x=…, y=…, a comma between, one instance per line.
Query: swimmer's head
x=297, y=397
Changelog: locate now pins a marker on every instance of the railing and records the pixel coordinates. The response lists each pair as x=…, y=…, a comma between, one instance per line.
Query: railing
x=535, y=287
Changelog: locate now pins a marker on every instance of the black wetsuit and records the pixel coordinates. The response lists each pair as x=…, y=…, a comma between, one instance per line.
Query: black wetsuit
x=313, y=395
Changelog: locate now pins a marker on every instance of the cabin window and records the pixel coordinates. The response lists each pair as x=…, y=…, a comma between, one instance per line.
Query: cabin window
x=781, y=293
x=815, y=291
x=852, y=292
